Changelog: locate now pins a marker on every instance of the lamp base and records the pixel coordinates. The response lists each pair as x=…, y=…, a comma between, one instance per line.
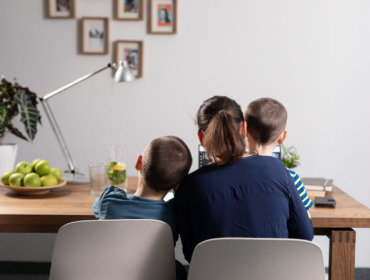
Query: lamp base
x=75, y=178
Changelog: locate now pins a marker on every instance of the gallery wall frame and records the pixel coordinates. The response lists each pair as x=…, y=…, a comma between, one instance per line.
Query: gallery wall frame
x=162, y=16
x=61, y=9
x=95, y=35
x=129, y=9
x=132, y=52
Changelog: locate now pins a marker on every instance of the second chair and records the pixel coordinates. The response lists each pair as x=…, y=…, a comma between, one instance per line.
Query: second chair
x=257, y=259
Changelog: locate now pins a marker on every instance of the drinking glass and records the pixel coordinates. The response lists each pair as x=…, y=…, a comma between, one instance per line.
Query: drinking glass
x=116, y=168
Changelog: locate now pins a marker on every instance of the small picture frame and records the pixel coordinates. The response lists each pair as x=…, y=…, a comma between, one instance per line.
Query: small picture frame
x=95, y=35
x=129, y=9
x=132, y=52
x=61, y=8
x=162, y=16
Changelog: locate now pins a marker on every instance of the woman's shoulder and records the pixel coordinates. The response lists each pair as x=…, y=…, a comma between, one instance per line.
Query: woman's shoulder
x=200, y=172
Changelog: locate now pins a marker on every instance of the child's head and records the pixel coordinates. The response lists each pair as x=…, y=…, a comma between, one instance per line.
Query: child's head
x=266, y=120
x=220, y=129
x=165, y=161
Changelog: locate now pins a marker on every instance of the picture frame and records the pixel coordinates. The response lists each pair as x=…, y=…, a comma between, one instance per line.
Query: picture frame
x=129, y=9
x=132, y=52
x=61, y=9
x=163, y=16
x=95, y=35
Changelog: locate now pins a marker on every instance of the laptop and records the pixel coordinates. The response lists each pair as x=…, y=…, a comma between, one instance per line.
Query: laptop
x=204, y=160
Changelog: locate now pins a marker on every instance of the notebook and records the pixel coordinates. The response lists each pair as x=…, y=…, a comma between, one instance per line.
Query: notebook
x=317, y=184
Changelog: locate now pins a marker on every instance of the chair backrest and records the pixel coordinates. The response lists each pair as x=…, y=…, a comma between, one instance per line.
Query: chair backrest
x=113, y=249
x=257, y=259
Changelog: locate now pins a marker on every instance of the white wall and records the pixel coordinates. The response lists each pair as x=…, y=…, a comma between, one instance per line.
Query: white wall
x=311, y=55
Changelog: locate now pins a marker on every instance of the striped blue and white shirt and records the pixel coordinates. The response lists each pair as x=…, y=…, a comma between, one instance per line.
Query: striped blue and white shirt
x=307, y=202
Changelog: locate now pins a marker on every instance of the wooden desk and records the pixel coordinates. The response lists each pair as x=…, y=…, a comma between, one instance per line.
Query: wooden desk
x=337, y=224
x=47, y=213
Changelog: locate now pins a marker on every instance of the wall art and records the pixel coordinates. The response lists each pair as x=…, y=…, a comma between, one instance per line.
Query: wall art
x=129, y=9
x=163, y=16
x=61, y=8
x=95, y=35
x=132, y=52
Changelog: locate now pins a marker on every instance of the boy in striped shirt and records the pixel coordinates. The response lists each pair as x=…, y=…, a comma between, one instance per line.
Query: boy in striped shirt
x=266, y=119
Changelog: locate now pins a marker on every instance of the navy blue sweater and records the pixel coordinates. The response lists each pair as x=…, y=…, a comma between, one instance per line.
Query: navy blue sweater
x=253, y=197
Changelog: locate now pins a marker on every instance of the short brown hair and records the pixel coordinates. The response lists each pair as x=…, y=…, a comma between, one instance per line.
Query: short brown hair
x=165, y=162
x=220, y=119
x=266, y=119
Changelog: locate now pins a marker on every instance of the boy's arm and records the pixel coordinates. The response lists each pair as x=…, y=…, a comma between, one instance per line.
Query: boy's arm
x=307, y=202
x=299, y=224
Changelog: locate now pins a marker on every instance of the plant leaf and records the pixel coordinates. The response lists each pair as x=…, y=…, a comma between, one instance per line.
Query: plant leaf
x=29, y=113
x=290, y=157
x=4, y=118
x=16, y=132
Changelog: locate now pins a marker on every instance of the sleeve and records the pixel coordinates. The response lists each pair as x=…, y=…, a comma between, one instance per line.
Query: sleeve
x=299, y=223
x=183, y=223
x=307, y=202
x=97, y=208
x=172, y=221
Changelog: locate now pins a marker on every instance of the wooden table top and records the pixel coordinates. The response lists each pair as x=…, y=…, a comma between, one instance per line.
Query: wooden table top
x=348, y=213
x=46, y=213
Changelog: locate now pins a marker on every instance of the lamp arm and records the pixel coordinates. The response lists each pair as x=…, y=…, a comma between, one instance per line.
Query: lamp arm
x=54, y=125
x=55, y=92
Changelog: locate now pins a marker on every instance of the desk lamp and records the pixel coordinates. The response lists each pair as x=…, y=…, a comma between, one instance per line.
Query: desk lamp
x=122, y=74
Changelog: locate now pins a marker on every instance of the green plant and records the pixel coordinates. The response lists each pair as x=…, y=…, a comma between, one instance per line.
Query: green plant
x=289, y=156
x=15, y=99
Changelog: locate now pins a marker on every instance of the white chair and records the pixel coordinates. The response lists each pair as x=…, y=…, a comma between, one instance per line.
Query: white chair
x=113, y=249
x=257, y=259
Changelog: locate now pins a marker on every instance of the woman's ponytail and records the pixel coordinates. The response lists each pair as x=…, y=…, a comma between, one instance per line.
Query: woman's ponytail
x=223, y=138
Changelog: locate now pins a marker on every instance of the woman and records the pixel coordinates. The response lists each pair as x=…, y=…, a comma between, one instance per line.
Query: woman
x=236, y=195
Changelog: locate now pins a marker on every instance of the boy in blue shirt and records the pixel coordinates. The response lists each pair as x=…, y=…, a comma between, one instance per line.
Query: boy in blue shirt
x=163, y=164
x=266, y=119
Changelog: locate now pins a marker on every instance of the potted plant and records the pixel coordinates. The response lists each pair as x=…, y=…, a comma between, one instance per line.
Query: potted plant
x=16, y=101
x=289, y=156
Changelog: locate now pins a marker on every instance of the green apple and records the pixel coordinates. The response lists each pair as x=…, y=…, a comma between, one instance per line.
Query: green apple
x=23, y=167
x=34, y=162
x=5, y=177
x=48, y=180
x=16, y=179
x=32, y=180
x=57, y=173
x=42, y=167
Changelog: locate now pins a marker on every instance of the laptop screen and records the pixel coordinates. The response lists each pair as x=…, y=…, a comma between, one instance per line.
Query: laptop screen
x=203, y=158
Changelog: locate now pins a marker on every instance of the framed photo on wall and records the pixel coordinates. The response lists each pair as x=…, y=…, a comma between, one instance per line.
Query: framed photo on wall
x=95, y=35
x=162, y=16
x=61, y=8
x=132, y=52
x=129, y=9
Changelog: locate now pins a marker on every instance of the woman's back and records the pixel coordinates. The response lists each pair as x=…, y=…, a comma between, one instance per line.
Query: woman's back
x=252, y=197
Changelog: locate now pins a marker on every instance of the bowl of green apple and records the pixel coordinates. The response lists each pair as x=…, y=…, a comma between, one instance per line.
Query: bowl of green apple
x=33, y=178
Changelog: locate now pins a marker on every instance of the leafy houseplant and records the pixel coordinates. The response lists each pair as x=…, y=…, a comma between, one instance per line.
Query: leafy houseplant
x=15, y=99
x=289, y=156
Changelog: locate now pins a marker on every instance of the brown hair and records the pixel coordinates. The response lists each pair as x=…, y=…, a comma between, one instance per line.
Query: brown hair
x=266, y=119
x=165, y=162
x=220, y=119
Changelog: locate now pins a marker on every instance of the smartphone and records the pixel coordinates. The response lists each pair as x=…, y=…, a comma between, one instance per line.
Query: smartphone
x=325, y=202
